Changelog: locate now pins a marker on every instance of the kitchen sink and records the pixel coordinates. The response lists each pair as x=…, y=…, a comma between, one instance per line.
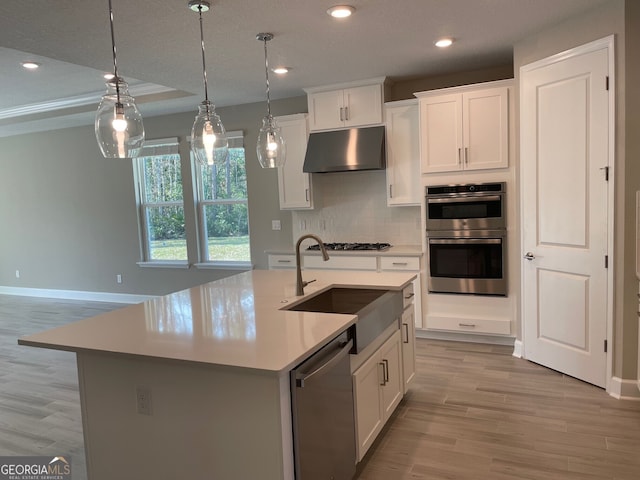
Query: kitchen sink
x=376, y=309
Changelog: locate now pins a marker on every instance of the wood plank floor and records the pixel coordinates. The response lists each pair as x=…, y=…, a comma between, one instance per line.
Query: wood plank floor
x=474, y=412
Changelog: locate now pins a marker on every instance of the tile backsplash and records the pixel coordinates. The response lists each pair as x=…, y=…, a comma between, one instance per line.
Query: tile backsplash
x=352, y=207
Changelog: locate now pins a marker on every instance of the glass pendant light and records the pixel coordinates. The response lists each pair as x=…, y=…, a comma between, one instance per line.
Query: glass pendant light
x=209, y=142
x=271, y=148
x=119, y=128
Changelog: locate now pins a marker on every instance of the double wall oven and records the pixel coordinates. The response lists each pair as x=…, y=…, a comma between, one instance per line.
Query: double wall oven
x=466, y=239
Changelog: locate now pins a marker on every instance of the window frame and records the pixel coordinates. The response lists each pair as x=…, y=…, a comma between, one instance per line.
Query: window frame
x=143, y=207
x=202, y=203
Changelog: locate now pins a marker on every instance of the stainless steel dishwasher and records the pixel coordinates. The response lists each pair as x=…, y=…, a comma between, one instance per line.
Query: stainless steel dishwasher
x=323, y=416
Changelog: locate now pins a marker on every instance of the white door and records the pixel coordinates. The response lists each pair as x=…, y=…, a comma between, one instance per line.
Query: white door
x=564, y=192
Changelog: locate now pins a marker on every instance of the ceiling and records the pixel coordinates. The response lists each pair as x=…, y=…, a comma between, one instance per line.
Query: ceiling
x=158, y=49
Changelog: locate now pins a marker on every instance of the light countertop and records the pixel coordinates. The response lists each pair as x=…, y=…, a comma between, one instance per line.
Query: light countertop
x=395, y=250
x=233, y=322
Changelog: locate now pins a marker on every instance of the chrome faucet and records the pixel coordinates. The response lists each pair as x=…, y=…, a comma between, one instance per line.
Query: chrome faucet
x=325, y=256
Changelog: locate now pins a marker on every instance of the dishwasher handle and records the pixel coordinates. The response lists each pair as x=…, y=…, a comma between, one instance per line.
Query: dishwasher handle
x=302, y=377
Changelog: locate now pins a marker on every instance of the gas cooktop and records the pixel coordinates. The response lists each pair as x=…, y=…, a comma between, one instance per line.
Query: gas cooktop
x=352, y=246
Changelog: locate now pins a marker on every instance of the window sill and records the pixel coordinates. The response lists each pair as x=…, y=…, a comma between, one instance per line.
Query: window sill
x=225, y=265
x=163, y=264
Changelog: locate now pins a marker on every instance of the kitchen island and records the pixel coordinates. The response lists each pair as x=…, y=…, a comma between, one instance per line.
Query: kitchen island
x=195, y=384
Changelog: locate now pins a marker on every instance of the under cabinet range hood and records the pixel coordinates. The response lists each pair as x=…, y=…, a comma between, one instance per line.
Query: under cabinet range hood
x=345, y=150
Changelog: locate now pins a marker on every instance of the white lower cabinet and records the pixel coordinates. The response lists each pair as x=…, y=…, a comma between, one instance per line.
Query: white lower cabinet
x=408, y=333
x=407, y=264
x=378, y=389
x=279, y=261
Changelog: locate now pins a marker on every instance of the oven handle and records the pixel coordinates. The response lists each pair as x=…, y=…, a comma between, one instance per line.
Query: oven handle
x=461, y=199
x=465, y=241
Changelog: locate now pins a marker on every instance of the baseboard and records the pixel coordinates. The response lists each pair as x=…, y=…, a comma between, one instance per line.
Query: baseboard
x=517, y=348
x=465, y=337
x=624, y=389
x=75, y=295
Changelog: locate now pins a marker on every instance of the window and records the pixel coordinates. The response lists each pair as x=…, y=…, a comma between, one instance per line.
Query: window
x=223, y=208
x=161, y=202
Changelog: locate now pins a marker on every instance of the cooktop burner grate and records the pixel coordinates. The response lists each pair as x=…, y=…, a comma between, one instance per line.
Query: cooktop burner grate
x=352, y=246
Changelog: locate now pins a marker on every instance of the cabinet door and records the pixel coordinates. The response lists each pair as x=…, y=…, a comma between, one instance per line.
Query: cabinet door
x=408, y=333
x=367, y=381
x=294, y=186
x=363, y=105
x=486, y=128
x=441, y=133
x=403, y=155
x=392, y=390
x=326, y=110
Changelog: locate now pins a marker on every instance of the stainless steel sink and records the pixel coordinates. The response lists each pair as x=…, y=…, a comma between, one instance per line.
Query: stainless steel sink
x=376, y=309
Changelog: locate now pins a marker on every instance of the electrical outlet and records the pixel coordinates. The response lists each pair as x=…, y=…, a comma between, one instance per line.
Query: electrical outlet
x=143, y=400
x=276, y=225
x=118, y=278
x=17, y=273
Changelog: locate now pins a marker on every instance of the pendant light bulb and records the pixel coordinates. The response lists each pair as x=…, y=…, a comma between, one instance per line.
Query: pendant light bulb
x=118, y=125
x=271, y=148
x=209, y=142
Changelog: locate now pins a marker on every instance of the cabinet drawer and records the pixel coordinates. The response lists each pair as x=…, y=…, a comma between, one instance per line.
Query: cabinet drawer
x=408, y=295
x=400, y=263
x=469, y=325
x=341, y=262
x=282, y=261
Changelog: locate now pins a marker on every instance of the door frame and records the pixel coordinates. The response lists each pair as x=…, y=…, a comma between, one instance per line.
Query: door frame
x=607, y=43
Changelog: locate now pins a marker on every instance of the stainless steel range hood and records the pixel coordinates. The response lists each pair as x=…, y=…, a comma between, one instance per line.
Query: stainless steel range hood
x=345, y=150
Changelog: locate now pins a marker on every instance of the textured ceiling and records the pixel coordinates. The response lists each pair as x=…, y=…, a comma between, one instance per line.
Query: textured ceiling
x=158, y=43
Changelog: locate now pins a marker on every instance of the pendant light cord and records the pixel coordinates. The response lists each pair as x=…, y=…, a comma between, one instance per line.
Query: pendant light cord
x=204, y=66
x=113, y=48
x=266, y=74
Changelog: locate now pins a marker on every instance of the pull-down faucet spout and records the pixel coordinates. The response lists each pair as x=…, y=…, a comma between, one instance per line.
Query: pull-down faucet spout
x=325, y=256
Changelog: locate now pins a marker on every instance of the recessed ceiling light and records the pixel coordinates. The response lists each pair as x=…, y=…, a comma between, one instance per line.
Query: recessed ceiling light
x=444, y=42
x=281, y=70
x=30, y=65
x=341, y=11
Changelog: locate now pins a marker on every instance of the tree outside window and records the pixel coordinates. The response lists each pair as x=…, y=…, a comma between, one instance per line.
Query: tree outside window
x=161, y=202
x=223, y=207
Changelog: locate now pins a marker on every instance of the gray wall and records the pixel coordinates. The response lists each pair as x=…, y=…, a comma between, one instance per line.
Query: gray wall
x=68, y=215
x=606, y=20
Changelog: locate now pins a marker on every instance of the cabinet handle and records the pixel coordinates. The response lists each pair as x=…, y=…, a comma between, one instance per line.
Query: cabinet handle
x=411, y=295
x=399, y=263
x=386, y=370
x=406, y=331
x=284, y=261
x=466, y=156
x=459, y=156
x=306, y=194
x=342, y=114
x=390, y=191
x=470, y=325
x=384, y=382
x=346, y=113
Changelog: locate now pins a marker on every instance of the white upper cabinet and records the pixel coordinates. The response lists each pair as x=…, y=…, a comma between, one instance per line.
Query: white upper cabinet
x=294, y=186
x=332, y=108
x=403, y=153
x=464, y=128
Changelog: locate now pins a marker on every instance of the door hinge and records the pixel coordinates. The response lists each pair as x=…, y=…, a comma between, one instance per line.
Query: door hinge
x=605, y=346
x=606, y=261
x=607, y=82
